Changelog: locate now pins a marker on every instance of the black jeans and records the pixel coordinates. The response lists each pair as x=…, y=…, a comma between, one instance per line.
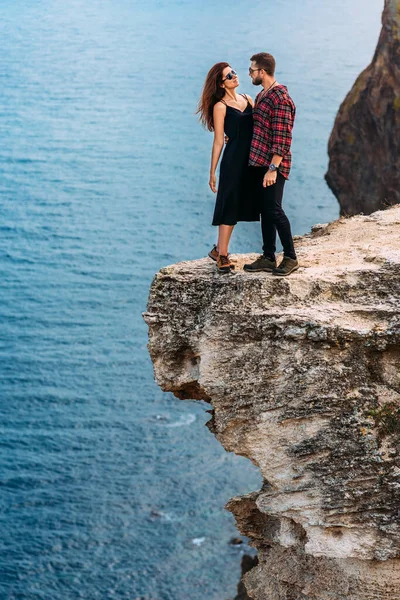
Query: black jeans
x=273, y=217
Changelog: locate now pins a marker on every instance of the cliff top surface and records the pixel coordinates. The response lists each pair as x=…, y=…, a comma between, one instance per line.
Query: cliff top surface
x=360, y=243
x=345, y=276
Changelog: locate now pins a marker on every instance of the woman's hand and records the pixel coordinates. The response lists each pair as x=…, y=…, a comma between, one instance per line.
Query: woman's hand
x=269, y=178
x=213, y=183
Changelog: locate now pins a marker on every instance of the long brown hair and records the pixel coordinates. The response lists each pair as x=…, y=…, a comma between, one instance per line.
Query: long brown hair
x=212, y=93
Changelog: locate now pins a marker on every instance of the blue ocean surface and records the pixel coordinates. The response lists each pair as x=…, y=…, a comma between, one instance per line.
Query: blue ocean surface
x=110, y=488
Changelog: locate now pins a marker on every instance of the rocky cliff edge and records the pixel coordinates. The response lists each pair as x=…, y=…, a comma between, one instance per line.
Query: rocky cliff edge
x=364, y=146
x=303, y=376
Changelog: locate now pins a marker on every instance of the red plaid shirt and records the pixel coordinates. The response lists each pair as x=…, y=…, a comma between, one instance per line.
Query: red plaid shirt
x=273, y=114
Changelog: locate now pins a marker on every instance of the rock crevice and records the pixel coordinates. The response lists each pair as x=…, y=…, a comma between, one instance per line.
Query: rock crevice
x=303, y=376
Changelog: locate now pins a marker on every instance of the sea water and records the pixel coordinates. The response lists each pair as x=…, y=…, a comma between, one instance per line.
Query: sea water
x=110, y=488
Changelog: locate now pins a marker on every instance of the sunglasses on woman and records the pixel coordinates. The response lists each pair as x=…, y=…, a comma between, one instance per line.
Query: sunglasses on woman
x=230, y=75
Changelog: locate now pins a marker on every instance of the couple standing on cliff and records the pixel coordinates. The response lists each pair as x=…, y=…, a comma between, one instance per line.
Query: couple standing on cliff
x=256, y=161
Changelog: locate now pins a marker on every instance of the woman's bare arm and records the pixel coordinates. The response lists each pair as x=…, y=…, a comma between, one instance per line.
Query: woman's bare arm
x=218, y=144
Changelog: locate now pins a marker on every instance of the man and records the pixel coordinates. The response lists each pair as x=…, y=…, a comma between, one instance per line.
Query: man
x=274, y=113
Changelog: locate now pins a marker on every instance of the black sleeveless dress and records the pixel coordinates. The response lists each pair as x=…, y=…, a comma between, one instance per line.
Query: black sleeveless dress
x=237, y=189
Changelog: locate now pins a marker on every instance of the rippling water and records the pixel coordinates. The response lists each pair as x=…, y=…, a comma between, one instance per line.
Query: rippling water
x=104, y=480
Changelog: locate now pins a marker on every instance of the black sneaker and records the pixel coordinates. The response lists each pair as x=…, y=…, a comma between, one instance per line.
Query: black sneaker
x=287, y=266
x=261, y=264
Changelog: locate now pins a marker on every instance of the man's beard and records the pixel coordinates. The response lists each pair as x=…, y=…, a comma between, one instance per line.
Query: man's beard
x=257, y=80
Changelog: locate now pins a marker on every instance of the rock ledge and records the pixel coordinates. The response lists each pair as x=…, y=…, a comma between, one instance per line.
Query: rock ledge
x=303, y=374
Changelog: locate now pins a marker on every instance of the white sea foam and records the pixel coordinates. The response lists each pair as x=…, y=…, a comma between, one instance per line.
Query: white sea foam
x=198, y=541
x=183, y=420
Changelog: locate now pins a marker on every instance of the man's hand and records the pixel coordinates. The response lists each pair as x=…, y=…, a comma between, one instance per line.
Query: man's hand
x=213, y=183
x=269, y=178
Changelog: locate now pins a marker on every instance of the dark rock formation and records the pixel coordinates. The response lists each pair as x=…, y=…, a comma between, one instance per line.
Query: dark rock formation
x=248, y=563
x=364, y=147
x=303, y=375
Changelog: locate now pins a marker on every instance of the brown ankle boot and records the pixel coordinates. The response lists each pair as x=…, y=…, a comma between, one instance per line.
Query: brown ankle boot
x=213, y=254
x=224, y=264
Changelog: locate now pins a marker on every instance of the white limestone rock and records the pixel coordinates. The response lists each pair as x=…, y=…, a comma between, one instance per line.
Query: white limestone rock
x=303, y=375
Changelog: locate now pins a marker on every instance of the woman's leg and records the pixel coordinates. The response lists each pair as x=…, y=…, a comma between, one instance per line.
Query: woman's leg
x=224, y=235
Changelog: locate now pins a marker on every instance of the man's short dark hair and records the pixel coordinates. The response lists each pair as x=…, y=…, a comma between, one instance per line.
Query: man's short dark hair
x=265, y=61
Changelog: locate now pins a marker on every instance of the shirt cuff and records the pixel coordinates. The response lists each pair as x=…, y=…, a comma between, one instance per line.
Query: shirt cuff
x=279, y=150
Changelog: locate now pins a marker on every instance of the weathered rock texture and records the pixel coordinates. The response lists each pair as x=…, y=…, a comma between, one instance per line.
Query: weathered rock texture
x=364, y=147
x=304, y=380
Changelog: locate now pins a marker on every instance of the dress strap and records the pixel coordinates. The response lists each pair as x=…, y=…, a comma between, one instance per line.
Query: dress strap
x=223, y=102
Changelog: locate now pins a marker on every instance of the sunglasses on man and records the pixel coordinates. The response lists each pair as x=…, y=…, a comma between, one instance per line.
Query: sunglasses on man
x=230, y=75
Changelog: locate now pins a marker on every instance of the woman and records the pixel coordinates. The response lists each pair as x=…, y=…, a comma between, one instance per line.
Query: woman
x=222, y=110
